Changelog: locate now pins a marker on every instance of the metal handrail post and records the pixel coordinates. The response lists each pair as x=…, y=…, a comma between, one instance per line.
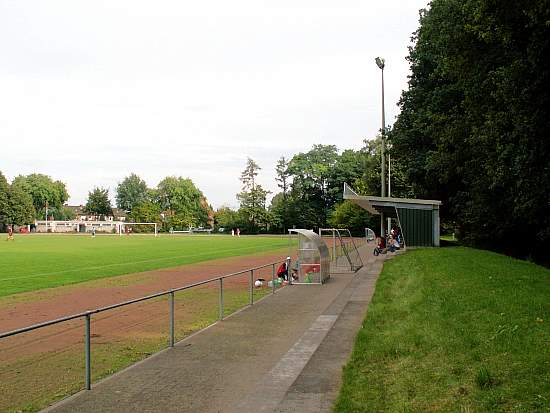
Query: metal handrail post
x=273, y=278
x=221, y=300
x=88, y=354
x=251, y=287
x=172, y=333
x=289, y=271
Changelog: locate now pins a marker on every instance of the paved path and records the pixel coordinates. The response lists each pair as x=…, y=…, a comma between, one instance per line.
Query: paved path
x=284, y=354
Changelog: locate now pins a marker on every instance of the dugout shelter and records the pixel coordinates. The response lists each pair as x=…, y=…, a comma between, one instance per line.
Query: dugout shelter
x=312, y=265
x=418, y=218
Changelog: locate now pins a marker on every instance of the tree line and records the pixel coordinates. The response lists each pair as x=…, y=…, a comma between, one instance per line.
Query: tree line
x=311, y=188
x=472, y=132
x=175, y=203
x=28, y=197
x=474, y=122
x=310, y=196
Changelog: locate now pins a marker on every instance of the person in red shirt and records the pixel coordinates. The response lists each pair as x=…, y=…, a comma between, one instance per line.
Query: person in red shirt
x=282, y=271
x=380, y=246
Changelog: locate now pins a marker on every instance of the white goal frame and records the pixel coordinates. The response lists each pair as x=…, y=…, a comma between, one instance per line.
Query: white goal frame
x=370, y=235
x=343, y=246
x=121, y=228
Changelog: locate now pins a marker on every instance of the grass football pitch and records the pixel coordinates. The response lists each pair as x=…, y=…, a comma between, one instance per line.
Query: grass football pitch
x=34, y=262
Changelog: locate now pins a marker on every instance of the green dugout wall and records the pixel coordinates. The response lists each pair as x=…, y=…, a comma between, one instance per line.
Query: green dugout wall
x=418, y=218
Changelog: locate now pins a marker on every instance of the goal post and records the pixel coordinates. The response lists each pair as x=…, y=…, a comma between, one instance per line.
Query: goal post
x=369, y=235
x=138, y=227
x=343, y=250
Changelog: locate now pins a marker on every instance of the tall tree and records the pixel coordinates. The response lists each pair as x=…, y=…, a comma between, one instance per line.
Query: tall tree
x=99, y=203
x=226, y=217
x=20, y=210
x=130, y=192
x=4, y=190
x=310, y=185
x=474, y=121
x=252, y=198
x=43, y=190
x=181, y=202
x=353, y=217
x=280, y=212
x=283, y=178
x=146, y=212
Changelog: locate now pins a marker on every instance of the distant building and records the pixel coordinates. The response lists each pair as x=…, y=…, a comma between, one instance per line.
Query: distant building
x=82, y=215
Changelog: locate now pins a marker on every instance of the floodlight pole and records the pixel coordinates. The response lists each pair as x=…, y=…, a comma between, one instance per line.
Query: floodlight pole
x=380, y=62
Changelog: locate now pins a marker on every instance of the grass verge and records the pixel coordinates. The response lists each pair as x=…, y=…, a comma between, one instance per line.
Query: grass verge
x=31, y=382
x=453, y=330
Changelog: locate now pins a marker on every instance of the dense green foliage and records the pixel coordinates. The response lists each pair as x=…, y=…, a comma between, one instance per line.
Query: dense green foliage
x=453, y=330
x=36, y=262
x=176, y=203
x=16, y=205
x=130, y=192
x=44, y=193
x=351, y=216
x=183, y=203
x=279, y=203
x=20, y=210
x=252, y=198
x=147, y=211
x=98, y=202
x=312, y=184
x=4, y=188
x=474, y=123
x=227, y=218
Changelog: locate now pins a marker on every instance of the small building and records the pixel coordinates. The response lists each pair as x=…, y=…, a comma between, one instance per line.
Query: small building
x=417, y=218
x=81, y=214
x=107, y=227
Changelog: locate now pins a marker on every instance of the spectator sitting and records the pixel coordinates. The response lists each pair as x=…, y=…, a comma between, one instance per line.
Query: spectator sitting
x=380, y=246
x=393, y=245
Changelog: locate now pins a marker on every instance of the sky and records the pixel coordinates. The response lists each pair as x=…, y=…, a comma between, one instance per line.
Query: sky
x=93, y=91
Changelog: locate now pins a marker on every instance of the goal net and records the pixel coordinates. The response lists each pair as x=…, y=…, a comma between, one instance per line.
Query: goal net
x=344, y=256
x=128, y=228
x=369, y=235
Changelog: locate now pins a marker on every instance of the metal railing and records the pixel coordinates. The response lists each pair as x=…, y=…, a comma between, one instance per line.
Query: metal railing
x=87, y=315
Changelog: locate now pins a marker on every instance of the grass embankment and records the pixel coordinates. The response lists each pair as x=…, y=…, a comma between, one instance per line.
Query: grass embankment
x=34, y=262
x=453, y=330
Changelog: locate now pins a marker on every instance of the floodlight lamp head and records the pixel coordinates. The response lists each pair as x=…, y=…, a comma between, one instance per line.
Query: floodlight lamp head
x=380, y=62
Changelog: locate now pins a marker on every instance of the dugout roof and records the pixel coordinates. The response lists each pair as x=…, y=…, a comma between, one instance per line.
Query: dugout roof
x=418, y=218
x=387, y=205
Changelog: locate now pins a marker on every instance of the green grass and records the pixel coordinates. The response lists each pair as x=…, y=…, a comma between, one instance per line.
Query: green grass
x=453, y=330
x=34, y=262
x=31, y=383
x=449, y=238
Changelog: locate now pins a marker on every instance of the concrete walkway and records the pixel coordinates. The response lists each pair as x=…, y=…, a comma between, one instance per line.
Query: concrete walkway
x=284, y=354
